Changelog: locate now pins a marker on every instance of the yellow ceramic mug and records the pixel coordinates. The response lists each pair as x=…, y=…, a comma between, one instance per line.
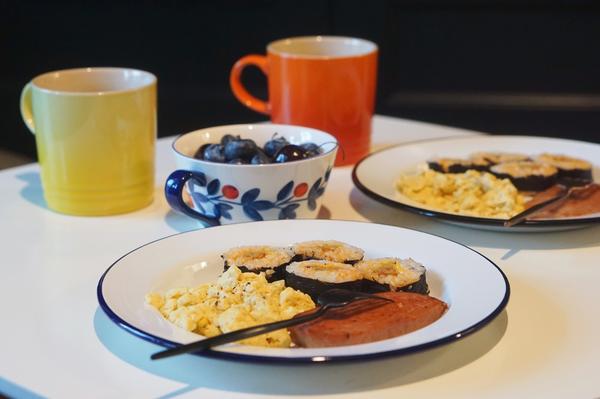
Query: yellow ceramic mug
x=95, y=131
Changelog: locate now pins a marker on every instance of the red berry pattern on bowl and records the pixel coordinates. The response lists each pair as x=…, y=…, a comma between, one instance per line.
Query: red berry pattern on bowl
x=217, y=202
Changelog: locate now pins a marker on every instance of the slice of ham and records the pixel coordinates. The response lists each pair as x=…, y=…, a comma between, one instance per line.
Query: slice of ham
x=369, y=320
x=582, y=201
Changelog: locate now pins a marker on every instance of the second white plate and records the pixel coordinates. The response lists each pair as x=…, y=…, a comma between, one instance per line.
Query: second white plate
x=376, y=174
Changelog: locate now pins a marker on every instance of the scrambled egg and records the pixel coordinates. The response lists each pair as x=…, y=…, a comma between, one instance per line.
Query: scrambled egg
x=236, y=300
x=471, y=193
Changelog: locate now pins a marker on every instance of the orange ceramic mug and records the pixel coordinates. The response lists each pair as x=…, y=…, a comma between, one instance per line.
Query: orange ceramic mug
x=324, y=82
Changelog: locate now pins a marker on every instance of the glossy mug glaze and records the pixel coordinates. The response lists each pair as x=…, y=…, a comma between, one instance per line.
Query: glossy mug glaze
x=95, y=131
x=221, y=193
x=325, y=82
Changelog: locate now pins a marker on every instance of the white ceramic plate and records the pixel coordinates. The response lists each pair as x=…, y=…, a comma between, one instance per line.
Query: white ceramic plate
x=474, y=288
x=376, y=174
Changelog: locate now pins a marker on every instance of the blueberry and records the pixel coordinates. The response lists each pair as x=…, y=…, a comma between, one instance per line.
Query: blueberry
x=237, y=161
x=311, y=148
x=290, y=153
x=260, y=158
x=228, y=137
x=244, y=149
x=214, y=153
x=274, y=145
x=200, y=152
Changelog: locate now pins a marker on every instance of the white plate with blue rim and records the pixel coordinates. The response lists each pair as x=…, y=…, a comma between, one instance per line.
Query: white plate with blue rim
x=474, y=288
x=377, y=173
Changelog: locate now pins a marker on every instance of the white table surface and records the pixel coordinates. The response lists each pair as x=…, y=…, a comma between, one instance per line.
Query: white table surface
x=56, y=342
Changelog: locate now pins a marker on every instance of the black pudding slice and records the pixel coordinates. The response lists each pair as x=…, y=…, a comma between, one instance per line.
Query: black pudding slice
x=393, y=274
x=259, y=259
x=316, y=276
x=456, y=165
x=494, y=158
x=571, y=171
x=330, y=250
x=527, y=175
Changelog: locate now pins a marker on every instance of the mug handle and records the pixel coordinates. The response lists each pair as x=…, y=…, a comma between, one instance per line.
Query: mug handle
x=240, y=92
x=26, y=108
x=173, y=192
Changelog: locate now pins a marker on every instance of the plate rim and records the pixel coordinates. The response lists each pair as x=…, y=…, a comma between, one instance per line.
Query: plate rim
x=472, y=220
x=251, y=358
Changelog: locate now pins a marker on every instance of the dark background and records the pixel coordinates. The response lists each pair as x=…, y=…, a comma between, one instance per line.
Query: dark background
x=496, y=66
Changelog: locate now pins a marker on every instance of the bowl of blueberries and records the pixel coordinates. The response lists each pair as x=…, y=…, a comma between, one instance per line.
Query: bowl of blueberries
x=250, y=172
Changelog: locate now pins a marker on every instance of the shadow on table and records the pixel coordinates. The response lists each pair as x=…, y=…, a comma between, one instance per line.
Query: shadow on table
x=513, y=242
x=33, y=191
x=277, y=379
x=183, y=223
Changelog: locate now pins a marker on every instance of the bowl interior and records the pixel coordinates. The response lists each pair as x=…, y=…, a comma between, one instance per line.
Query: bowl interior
x=188, y=143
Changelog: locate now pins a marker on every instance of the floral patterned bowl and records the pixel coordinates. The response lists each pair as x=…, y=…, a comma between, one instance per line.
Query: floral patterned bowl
x=220, y=193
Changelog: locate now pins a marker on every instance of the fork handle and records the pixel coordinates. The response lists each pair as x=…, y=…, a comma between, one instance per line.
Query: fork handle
x=238, y=335
x=364, y=295
x=518, y=218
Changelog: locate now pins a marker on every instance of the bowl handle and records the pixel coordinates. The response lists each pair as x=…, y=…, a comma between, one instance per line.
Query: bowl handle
x=173, y=192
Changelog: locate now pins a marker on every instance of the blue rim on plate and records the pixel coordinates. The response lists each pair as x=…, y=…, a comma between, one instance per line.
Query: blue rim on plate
x=251, y=358
x=454, y=218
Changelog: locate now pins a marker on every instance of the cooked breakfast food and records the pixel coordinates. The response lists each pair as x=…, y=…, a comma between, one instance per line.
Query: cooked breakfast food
x=527, y=175
x=259, y=258
x=571, y=171
x=583, y=200
x=393, y=274
x=330, y=250
x=456, y=165
x=240, y=299
x=494, y=158
x=236, y=300
x=462, y=186
x=316, y=276
x=471, y=193
x=369, y=320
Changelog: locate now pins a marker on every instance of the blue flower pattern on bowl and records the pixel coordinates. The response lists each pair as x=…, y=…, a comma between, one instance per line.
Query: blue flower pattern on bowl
x=215, y=200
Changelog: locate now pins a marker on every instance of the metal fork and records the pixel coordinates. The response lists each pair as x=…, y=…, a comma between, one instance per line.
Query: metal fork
x=562, y=196
x=333, y=298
